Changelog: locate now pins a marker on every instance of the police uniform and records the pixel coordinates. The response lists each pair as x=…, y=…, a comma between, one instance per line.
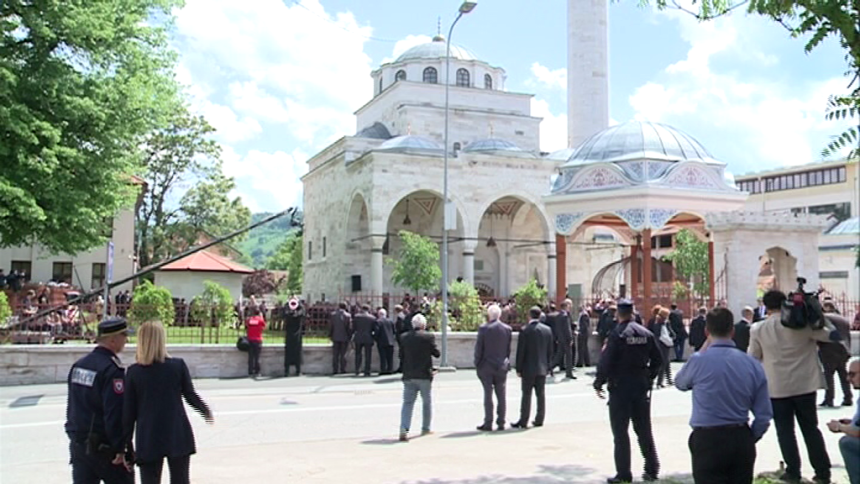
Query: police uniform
x=630, y=361
x=94, y=413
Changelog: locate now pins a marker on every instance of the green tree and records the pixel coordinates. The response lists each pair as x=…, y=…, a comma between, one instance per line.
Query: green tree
x=81, y=84
x=417, y=264
x=527, y=296
x=289, y=257
x=816, y=20
x=180, y=154
x=214, y=306
x=690, y=260
x=5, y=310
x=151, y=303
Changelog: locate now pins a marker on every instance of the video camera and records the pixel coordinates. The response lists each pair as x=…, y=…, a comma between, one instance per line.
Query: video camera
x=802, y=309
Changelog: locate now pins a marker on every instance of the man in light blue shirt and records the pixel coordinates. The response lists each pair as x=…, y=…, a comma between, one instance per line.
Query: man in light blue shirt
x=727, y=384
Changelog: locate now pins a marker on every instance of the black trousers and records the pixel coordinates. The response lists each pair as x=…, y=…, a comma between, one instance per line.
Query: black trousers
x=536, y=383
x=366, y=350
x=666, y=366
x=95, y=468
x=802, y=408
x=830, y=393
x=723, y=455
x=564, y=356
x=583, y=356
x=386, y=359
x=338, y=356
x=256, y=347
x=494, y=381
x=150, y=473
x=625, y=406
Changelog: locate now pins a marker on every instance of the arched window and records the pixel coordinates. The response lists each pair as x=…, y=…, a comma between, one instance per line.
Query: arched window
x=400, y=76
x=463, y=77
x=430, y=75
x=488, y=81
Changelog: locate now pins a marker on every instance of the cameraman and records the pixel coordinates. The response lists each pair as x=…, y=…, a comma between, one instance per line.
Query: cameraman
x=790, y=360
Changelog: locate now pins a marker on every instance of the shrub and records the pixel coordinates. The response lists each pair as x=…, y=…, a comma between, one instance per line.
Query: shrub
x=151, y=303
x=5, y=310
x=214, y=306
x=465, y=305
x=527, y=296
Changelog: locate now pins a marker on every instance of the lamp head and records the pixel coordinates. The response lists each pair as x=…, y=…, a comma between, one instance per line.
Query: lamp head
x=467, y=7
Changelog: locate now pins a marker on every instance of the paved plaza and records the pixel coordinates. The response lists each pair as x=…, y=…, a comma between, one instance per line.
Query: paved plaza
x=344, y=429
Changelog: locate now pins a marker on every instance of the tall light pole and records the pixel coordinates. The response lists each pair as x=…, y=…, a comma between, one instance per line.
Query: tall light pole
x=465, y=8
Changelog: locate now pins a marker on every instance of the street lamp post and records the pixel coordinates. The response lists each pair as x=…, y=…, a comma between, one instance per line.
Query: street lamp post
x=465, y=8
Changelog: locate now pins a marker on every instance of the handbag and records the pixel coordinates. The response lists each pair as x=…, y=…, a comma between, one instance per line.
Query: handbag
x=242, y=344
x=665, y=337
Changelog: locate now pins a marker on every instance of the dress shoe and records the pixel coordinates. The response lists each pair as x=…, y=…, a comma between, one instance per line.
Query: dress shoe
x=403, y=437
x=485, y=428
x=519, y=425
x=536, y=424
x=825, y=404
x=619, y=480
x=500, y=427
x=570, y=376
x=426, y=432
x=649, y=477
x=847, y=403
x=786, y=477
x=821, y=480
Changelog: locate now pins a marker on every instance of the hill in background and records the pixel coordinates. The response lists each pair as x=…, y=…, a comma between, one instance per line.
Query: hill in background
x=262, y=241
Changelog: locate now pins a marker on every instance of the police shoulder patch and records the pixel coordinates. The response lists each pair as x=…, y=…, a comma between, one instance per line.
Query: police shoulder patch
x=118, y=386
x=82, y=376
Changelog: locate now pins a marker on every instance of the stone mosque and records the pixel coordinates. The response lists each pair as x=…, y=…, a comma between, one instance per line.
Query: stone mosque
x=580, y=221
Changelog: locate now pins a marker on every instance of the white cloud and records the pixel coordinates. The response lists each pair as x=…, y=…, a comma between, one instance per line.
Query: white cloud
x=777, y=124
x=405, y=44
x=267, y=181
x=554, y=79
x=553, y=128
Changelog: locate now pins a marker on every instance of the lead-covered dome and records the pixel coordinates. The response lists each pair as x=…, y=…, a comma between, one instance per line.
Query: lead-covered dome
x=639, y=140
x=491, y=144
x=410, y=143
x=436, y=50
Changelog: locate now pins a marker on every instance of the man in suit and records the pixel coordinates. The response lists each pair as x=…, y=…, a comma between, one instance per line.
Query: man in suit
x=742, y=329
x=834, y=356
x=583, y=356
x=697, y=330
x=419, y=349
x=534, y=357
x=607, y=322
x=676, y=322
x=385, y=342
x=400, y=327
x=564, y=356
x=492, y=361
x=365, y=327
x=551, y=321
x=760, y=313
x=340, y=332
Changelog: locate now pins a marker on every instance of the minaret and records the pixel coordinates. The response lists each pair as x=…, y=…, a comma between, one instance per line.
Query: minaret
x=587, y=69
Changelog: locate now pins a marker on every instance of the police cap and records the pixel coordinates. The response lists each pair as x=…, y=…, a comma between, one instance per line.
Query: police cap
x=113, y=325
x=625, y=305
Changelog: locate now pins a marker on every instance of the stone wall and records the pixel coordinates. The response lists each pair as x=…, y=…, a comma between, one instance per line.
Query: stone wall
x=36, y=364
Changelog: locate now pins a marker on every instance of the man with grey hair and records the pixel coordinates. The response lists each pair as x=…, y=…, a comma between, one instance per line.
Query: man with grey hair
x=492, y=361
x=384, y=341
x=419, y=348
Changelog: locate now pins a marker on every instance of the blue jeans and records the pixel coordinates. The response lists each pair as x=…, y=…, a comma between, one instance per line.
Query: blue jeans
x=411, y=388
x=679, y=349
x=850, y=448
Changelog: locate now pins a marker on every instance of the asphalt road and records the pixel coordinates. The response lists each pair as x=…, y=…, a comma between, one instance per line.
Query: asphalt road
x=344, y=429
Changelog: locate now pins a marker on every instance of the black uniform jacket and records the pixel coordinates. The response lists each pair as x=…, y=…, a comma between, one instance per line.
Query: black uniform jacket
x=96, y=388
x=630, y=361
x=153, y=401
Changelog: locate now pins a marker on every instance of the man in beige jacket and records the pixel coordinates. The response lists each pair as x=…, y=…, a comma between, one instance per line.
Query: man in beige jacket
x=790, y=360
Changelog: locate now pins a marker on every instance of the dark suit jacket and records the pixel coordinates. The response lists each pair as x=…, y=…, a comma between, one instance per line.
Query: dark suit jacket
x=534, y=350
x=676, y=322
x=493, y=347
x=742, y=335
x=340, y=326
x=364, y=326
x=697, y=332
x=551, y=321
x=153, y=403
x=759, y=314
x=564, y=329
x=384, y=332
x=584, y=324
x=419, y=348
x=836, y=354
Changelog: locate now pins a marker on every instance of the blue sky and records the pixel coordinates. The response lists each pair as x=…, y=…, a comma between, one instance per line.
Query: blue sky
x=280, y=79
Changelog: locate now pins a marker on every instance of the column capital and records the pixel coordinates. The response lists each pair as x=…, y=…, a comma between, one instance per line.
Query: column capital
x=376, y=243
x=469, y=246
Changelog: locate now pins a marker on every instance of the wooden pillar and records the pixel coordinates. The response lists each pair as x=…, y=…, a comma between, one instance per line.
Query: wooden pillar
x=634, y=270
x=560, y=268
x=712, y=283
x=646, y=274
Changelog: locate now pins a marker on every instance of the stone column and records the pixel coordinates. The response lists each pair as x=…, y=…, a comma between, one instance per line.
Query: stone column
x=646, y=273
x=634, y=270
x=551, y=275
x=376, y=242
x=469, y=261
x=560, y=267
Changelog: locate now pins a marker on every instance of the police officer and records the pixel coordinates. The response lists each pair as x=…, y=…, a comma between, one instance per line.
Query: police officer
x=94, y=413
x=629, y=363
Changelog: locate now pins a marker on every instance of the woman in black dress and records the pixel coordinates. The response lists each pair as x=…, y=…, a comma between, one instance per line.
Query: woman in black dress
x=294, y=324
x=153, y=412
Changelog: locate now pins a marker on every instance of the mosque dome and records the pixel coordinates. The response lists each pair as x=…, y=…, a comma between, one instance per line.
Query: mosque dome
x=637, y=140
x=376, y=130
x=491, y=144
x=435, y=50
x=410, y=143
x=561, y=155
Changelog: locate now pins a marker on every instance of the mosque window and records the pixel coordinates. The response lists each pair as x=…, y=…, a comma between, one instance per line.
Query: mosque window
x=400, y=76
x=323, y=248
x=310, y=250
x=488, y=81
x=463, y=77
x=430, y=75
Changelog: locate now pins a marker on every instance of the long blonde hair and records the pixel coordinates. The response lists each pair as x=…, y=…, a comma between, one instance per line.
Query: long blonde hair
x=151, y=343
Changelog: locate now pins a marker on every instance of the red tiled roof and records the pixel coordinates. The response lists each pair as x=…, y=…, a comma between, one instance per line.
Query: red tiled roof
x=204, y=261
